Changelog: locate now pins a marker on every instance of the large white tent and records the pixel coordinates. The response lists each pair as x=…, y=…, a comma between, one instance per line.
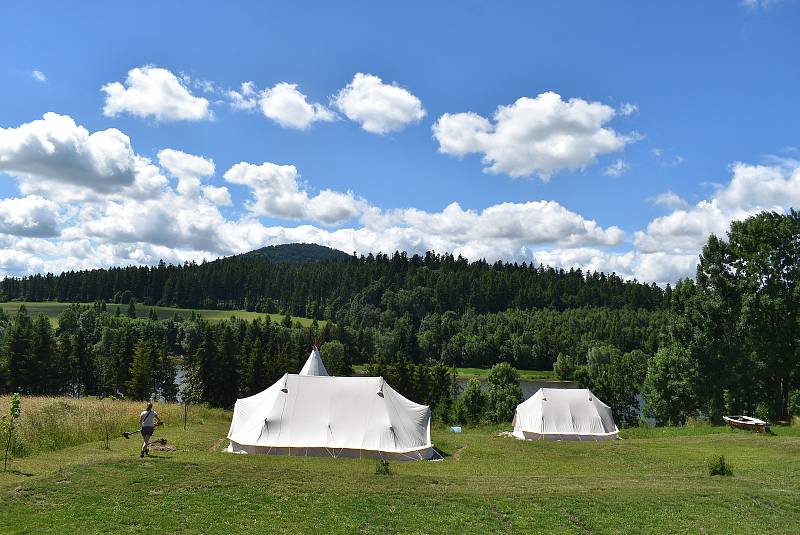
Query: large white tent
x=564, y=414
x=335, y=416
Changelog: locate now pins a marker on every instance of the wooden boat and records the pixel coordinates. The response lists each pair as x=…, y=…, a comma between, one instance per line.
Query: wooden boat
x=747, y=422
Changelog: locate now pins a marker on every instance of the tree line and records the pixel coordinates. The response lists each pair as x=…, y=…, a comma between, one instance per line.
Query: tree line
x=324, y=290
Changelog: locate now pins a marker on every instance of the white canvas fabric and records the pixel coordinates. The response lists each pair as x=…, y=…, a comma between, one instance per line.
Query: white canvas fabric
x=336, y=416
x=564, y=414
x=314, y=364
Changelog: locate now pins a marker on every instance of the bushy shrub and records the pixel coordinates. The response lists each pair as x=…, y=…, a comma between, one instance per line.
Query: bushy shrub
x=694, y=421
x=762, y=411
x=471, y=405
x=382, y=468
x=794, y=402
x=564, y=366
x=718, y=466
x=504, y=393
x=670, y=387
x=336, y=359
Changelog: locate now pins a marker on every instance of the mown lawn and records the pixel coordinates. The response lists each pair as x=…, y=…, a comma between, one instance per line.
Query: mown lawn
x=52, y=309
x=485, y=484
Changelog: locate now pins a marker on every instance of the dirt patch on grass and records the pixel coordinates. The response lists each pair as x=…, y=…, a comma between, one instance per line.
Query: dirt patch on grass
x=161, y=445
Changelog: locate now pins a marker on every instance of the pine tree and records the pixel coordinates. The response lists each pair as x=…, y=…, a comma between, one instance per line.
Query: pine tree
x=206, y=360
x=140, y=385
x=82, y=360
x=65, y=377
x=18, y=348
x=169, y=390
x=228, y=375
x=254, y=380
x=132, y=308
x=42, y=349
x=122, y=355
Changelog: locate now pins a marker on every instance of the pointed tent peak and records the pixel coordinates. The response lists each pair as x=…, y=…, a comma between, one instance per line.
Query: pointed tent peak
x=314, y=365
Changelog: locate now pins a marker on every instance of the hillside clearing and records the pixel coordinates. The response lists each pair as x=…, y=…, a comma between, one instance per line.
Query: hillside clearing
x=52, y=309
x=482, y=373
x=644, y=485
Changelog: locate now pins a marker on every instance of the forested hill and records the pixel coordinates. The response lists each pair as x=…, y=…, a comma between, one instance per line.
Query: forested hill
x=365, y=286
x=297, y=253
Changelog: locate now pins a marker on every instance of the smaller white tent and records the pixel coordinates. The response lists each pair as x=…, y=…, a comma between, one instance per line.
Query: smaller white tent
x=564, y=414
x=314, y=364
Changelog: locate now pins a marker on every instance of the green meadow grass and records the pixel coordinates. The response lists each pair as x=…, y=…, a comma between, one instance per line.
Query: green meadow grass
x=482, y=373
x=52, y=423
x=525, y=375
x=485, y=484
x=52, y=309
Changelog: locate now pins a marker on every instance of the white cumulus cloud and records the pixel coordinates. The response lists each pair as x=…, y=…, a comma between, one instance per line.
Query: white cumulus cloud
x=89, y=200
x=39, y=76
x=218, y=195
x=29, y=216
x=151, y=91
x=752, y=189
x=244, y=99
x=533, y=136
x=378, y=107
x=277, y=193
x=57, y=158
x=669, y=199
x=187, y=168
x=290, y=108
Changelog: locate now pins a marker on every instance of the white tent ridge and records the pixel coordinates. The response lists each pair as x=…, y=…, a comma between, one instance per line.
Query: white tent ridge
x=314, y=364
x=331, y=416
x=564, y=414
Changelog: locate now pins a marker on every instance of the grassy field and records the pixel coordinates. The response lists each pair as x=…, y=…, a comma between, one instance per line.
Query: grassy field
x=525, y=375
x=52, y=309
x=650, y=483
x=481, y=373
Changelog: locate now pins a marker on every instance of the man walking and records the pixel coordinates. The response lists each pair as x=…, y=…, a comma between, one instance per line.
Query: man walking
x=148, y=419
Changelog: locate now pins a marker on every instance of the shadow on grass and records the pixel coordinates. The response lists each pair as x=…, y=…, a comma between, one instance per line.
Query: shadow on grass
x=19, y=473
x=445, y=454
x=156, y=456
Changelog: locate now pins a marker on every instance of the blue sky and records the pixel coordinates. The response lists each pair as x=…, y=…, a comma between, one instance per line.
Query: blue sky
x=628, y=133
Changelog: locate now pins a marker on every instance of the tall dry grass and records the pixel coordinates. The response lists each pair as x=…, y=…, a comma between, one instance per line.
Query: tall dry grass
x=51, y=423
